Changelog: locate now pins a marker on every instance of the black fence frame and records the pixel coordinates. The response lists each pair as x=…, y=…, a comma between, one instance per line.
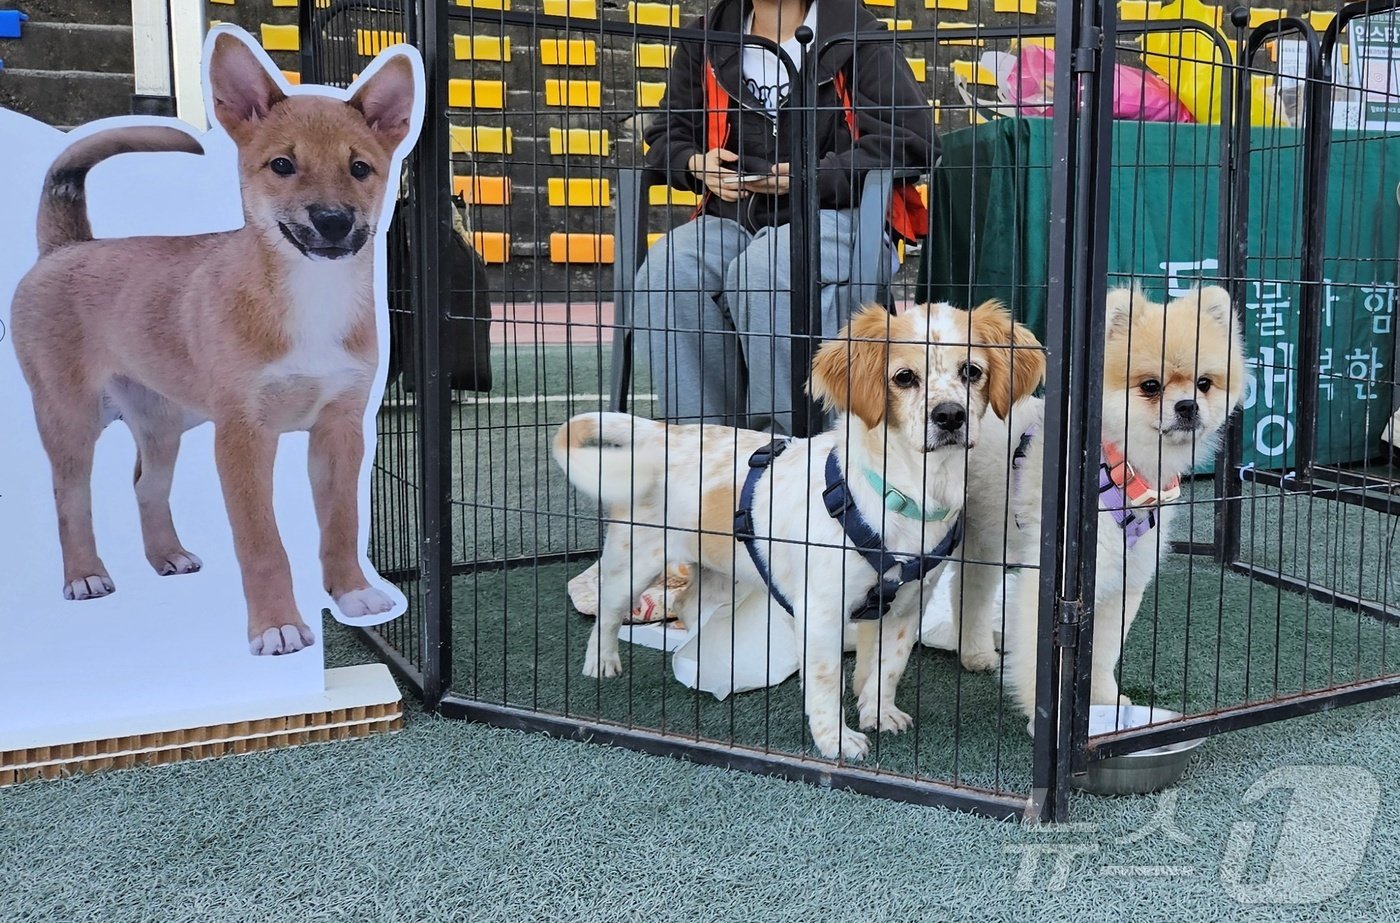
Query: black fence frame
x=1077, y=282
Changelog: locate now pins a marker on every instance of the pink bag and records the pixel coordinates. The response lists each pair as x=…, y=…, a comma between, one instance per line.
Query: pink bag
x=1137, y=94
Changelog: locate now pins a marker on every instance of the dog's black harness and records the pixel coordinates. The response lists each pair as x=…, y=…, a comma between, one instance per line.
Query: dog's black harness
x=841, y=507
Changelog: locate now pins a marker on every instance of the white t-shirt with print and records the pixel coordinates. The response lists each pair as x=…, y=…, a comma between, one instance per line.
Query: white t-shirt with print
x=764, y=74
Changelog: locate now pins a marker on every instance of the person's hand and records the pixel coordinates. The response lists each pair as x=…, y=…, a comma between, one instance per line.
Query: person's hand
x=708, y=168
x=777, y=182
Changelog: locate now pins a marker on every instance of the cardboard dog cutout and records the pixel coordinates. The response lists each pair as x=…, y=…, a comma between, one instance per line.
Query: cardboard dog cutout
x=209, y=313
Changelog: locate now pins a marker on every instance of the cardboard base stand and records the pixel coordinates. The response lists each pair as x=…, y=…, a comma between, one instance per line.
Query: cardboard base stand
x=357, y=702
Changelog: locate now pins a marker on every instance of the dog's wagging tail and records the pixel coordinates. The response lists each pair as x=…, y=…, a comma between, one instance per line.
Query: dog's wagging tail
x=63, y=217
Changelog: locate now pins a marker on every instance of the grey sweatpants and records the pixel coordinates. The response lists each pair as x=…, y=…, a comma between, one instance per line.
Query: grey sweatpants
x=711, y=309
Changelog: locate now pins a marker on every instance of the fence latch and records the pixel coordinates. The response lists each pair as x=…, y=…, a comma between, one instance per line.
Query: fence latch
x=1085, y=58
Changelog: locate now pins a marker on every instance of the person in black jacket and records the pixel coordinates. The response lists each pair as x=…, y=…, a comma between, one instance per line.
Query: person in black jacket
x=712, y=296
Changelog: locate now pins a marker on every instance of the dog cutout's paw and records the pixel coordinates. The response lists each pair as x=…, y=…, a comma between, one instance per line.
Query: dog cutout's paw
x=287, y=639
x=358, y=604
x=888, y=718
x=178, y=562
x=980, y=662
x=605, y=667
x=94, y=587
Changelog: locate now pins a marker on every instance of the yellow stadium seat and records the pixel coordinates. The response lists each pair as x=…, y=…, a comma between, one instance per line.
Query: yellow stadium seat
x=1259, y=16
x=650, y=94
x=482, y=140
x=1138, y=10
x=898, y=25
x=369, y=42
x=879, y=3
x=292, y=77
x=494, y=246
x=280, y=38
x=1027, y=7
x=576, y=52
x=920, y=68
x=653, y=237
x=976, y=42
x=223, y=2
x=289, y=3
x=654, y=14
x=653, y=54
x=476, y=94
x=665, y=195
x=482, y=190
x=576, y=9
x=485, y=4
x=945, y=5
x=580, y=248
x=578, y=193
x=973, y=72
x=481, y=47
x=579, y=141
x=1321, y=19
x=576, y=93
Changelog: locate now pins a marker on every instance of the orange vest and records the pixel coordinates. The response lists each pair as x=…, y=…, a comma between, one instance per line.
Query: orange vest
x=908, y=216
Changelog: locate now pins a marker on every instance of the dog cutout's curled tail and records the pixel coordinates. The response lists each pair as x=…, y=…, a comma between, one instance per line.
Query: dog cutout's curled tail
x=615, y=457
x=63, y=217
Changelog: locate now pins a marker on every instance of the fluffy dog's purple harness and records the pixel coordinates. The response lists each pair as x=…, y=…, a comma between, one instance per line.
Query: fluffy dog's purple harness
x=841, y=507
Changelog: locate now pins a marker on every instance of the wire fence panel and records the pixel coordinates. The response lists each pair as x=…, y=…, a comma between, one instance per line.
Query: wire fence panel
x=1153, y=475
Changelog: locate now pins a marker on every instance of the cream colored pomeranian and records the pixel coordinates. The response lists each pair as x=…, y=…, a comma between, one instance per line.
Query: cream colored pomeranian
x=1173, y=375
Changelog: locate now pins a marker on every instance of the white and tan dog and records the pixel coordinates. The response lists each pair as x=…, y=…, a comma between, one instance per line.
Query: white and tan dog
x=1173, y=375
x=264, y=330
x=911, y=392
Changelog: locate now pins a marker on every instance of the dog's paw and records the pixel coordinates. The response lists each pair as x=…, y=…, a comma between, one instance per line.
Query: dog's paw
x=603, y=667
x=286, y=639
x=852, y=745
x=177, y=562
x=888, y=717
x=94, y=587
x=980, y=662
x=360, y=603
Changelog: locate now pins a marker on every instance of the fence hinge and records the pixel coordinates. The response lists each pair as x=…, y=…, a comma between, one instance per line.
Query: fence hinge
x=1067, y=626
x=1085, y=59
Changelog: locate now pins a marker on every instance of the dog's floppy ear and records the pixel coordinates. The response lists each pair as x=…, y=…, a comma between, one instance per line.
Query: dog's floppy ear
x=386, y=99
x=242, y=88
x=1015, y=358
x=848, y=373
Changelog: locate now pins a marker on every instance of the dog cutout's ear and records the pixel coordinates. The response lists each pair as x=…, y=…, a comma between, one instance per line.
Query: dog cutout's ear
x=242, y=88
x=848, y=373
x=386, y=99
x=1015, y=358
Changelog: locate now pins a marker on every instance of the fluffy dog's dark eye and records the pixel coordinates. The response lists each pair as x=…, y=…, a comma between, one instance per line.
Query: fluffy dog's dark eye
x=970, y=373
x=282, y=166
x=1151, y=387
x=1204, y=384
x=359, y=169
x=905, y=378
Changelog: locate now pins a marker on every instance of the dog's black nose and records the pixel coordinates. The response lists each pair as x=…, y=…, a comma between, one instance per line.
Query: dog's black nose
x=949, y=416
x=333, y=224
x=1187, y=410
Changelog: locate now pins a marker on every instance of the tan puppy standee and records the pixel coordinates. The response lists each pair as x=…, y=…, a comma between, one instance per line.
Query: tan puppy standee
x=264, y=330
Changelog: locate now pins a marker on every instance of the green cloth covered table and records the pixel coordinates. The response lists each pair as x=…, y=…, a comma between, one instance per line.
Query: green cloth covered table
x=991, y=198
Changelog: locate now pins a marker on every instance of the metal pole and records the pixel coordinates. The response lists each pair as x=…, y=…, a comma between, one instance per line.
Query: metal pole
x=804, y=220
x=432, y=186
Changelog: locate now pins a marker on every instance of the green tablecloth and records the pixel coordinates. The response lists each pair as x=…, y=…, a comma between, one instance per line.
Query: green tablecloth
x=991, y=201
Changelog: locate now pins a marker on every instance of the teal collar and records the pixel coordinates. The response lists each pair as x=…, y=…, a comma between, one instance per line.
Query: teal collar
x=897, y=502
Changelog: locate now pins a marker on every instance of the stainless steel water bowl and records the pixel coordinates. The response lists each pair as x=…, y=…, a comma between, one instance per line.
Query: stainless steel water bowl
x=1139, y=773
